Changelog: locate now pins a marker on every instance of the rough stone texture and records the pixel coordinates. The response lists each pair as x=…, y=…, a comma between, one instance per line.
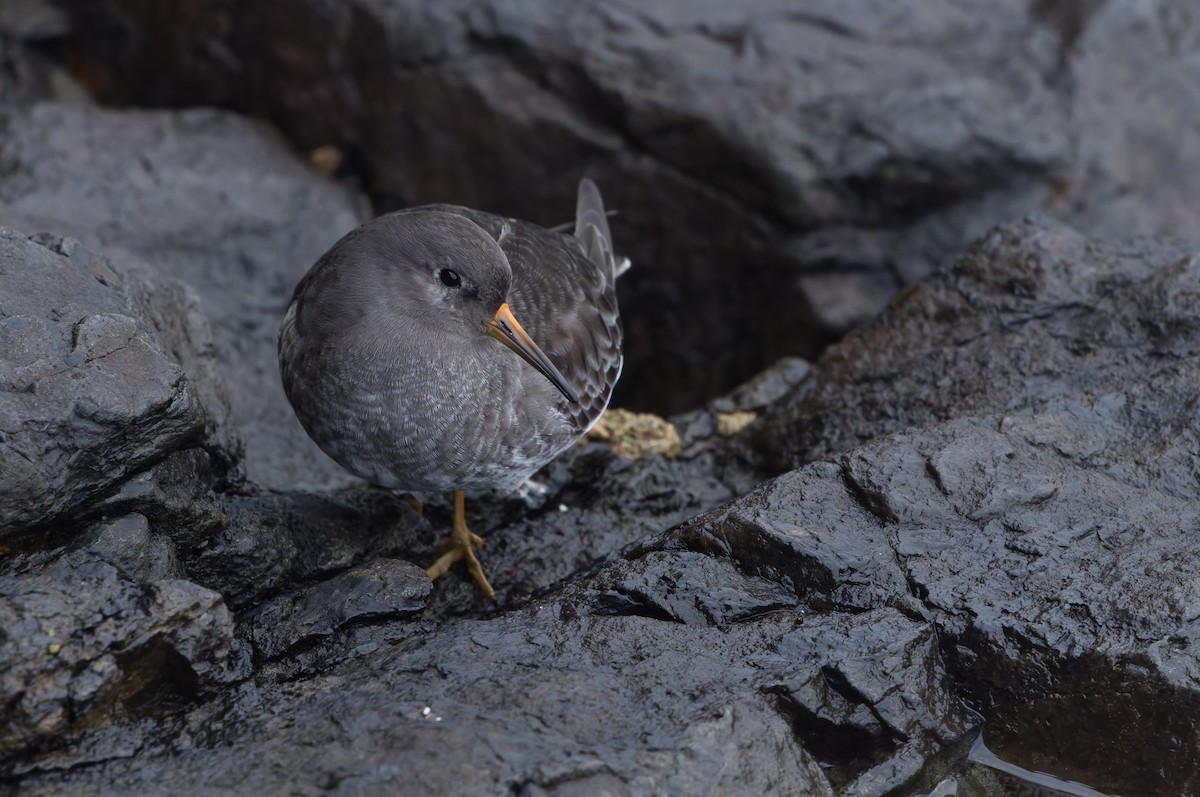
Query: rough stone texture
x=586, y=697
x=206, y=197
x=780, y=168
x=1019, y=547
x=983, y=501
x=271, y=542
x=1033, y=315
x=127, y=542
x=380, y=590
x=1045, y=509
x=88, y=396
x=93, y=657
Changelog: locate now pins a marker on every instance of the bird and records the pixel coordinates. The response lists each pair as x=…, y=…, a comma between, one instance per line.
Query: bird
x=443, y=349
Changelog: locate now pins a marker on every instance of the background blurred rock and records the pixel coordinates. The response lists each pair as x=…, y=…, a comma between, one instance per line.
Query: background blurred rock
x=26, y=74
x=780, y=169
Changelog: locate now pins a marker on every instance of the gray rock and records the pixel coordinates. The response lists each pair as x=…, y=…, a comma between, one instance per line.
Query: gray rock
x=568, y=696
x=88, y=396
x=1031, y=315
x=781, y=168
x=207, y=198
x=273, y=542
x=177, y=496
x=765, y=388
x=381, y=590
x=983, y=503
x=1032, y=475
x=90, y=656
x=126, y=542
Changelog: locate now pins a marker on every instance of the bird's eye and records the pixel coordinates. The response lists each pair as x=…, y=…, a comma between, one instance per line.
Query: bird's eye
x=449, y=278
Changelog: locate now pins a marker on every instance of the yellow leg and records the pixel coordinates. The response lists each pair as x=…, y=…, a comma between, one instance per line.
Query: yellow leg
x=462, y=545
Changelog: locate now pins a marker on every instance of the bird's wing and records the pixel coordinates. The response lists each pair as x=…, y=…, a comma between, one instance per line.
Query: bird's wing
x=564, y=295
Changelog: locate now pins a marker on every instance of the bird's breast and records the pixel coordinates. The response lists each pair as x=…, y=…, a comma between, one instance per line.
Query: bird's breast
x=422, y=421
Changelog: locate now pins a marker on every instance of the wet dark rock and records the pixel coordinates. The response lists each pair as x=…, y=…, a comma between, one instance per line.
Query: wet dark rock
x=1033, y=314
x=89, y=396
x=780, y=170
x=1030, y=486
x=565, y=696
x=177, y=495
x=384, y=589
x=1047, y=578
x=598, y=504
x=272, y=541
x=91, y=655
x=983, y=503
x=126, y=542
x=209, y=199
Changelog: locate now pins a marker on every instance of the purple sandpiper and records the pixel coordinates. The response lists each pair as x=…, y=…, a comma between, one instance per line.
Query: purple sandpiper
x=389, y=354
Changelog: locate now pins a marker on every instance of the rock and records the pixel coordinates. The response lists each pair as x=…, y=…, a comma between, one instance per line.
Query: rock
x=1031, y=315
x=126, y=543
x=1032, y=472
x=88, y=396
x=1032, y=540
x=780, y=171
x=208, y=199
x=765, y=388
x=384, y=589
x=271, y=542
x=26, y=74
x=177, y=496
x=585, y=697
x=91, y=656
x=981, y=503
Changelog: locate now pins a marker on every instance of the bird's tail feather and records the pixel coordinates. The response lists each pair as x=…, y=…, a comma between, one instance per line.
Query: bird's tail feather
x=591, y=228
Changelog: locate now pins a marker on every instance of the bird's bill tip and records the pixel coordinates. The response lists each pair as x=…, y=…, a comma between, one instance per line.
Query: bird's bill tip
x=505, y=328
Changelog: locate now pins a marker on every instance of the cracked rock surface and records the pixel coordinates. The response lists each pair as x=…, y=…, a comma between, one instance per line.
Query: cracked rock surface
x=90, y=396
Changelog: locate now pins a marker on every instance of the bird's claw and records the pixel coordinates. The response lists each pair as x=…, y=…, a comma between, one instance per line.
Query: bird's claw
x=462, y=545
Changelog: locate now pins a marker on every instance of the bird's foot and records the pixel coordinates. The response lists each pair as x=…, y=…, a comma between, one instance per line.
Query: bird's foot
x=462, y=545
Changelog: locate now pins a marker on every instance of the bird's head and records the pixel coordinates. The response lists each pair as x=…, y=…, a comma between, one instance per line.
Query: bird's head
x=452, y=279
